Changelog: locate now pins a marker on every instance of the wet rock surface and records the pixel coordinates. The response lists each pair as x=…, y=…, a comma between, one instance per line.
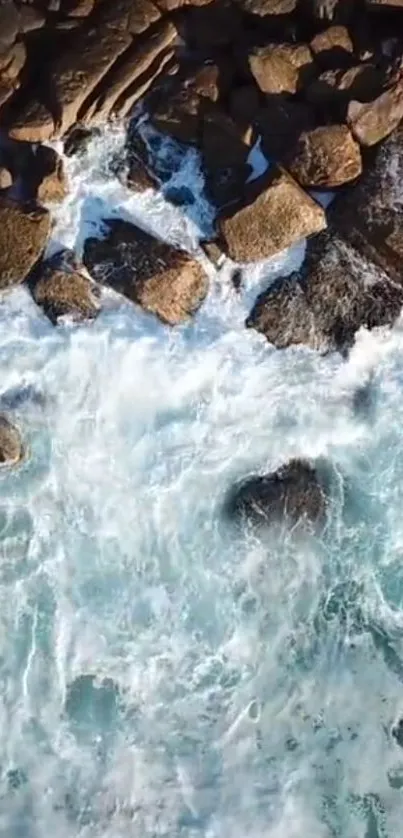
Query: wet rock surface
x=293, y=492
x=11, y=447
x=164, y=281
x=24, y=231
x=61, y=292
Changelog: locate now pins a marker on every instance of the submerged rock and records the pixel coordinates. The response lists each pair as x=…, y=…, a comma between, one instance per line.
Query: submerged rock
x=11, y=448
x=24, y=230
x=163, y=280
x=61, y=292
x=276, y=214
x=294, y=491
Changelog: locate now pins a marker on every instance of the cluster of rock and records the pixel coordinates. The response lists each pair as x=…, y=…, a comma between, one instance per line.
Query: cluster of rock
x=319, y=83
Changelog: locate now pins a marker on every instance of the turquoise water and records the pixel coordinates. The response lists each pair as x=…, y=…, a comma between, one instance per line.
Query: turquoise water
x=161, y=673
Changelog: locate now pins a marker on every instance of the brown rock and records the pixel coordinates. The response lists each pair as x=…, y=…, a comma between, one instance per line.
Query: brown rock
x=164, y=65
x=78, y=139
x=164, y=281
x=281, y=68
x=371, y=122
x=52, y=187
x=13, y=62
x=30, y=19
x=324, y=304
x=170, y=5
x=33, y=124
x=139, y=178
x=326, y=157
x=179, y=113
x=333, y=48
x=294, y=491
x=5, y=178
x=80, y=8
x=9, y=24
x=11, y=448
x=62, y=293
x=268, y=7
x=23, y=235
x=277, y=214
x=136, y=61
x=386, y=4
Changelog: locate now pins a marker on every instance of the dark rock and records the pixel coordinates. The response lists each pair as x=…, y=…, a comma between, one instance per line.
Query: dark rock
x=139, y=178
x=323, y=305
x=9, y=24
x=62, y=293
x=333, y=48
x=11, y=448
x=337, y=88
x=281, y=122
x=49, y=176
x=276, y=214
x=244, y=104
x=78, y=139
x=338, y=11
x=223, y=142
x=164, y=281
x=371, y=122
x=179, y=113
x=293, y=492
x=326, y=157
x=281, y=68
x=226, y=184
x=369, y=216
x=216, y=25
x=24, y=230
x=179, y=196
x=397, y=729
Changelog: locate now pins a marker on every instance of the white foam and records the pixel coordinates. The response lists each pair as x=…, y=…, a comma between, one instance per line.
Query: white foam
x=123, y=568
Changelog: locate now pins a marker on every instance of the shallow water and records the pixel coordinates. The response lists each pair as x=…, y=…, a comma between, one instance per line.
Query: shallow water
x=162, y=674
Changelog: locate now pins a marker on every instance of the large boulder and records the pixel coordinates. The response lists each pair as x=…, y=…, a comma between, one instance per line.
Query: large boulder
x=275, y=214
x=369, y=216
x=164, y=281
x=281, y=68
x=293, y=492
x=323, y=305
x=61, y=290
x=326, y=157
x=334, y=89
x=371, y=122
x=24, y=231
x=11, y=447
x=281, y=121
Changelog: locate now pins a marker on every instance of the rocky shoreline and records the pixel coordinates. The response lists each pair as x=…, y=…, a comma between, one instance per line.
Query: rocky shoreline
x=318, y=86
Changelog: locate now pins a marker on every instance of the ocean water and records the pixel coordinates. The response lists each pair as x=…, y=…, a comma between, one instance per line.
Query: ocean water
x=161, y=673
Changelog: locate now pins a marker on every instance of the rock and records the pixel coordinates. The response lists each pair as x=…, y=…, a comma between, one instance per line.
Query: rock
x=217, y=25
x=179, y=113
x=33, y=124
x=78, y=139
x=9, y=24
x=323, y=305
x=281, y=122
x=80, y=8
x=333, y=48
x=11, y=448
x=268, y=7
x=223, y=142
x=13, y=62
x=338, y=87
x=24, y=231
x=369, y=216
x=52, y=185
x=210, y=80
x=371, y=122
x=170, y=5
x=62, y=293
x=293, y=492
x=326, y=157
x=340, y=11
x=30, y=19
x=139, y=178
x=5, y=178
x=275, y=215
x=281, y=68
x=397, y=729
x=385, y=4
x=164, y=281
x=244, y=104
x=226, y=184
x=139, y=63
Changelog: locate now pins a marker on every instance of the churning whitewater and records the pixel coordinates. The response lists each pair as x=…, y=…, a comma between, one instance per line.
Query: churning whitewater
x=163, y=674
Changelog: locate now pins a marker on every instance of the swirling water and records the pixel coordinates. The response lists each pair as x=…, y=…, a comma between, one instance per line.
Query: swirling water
x=162, y=674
